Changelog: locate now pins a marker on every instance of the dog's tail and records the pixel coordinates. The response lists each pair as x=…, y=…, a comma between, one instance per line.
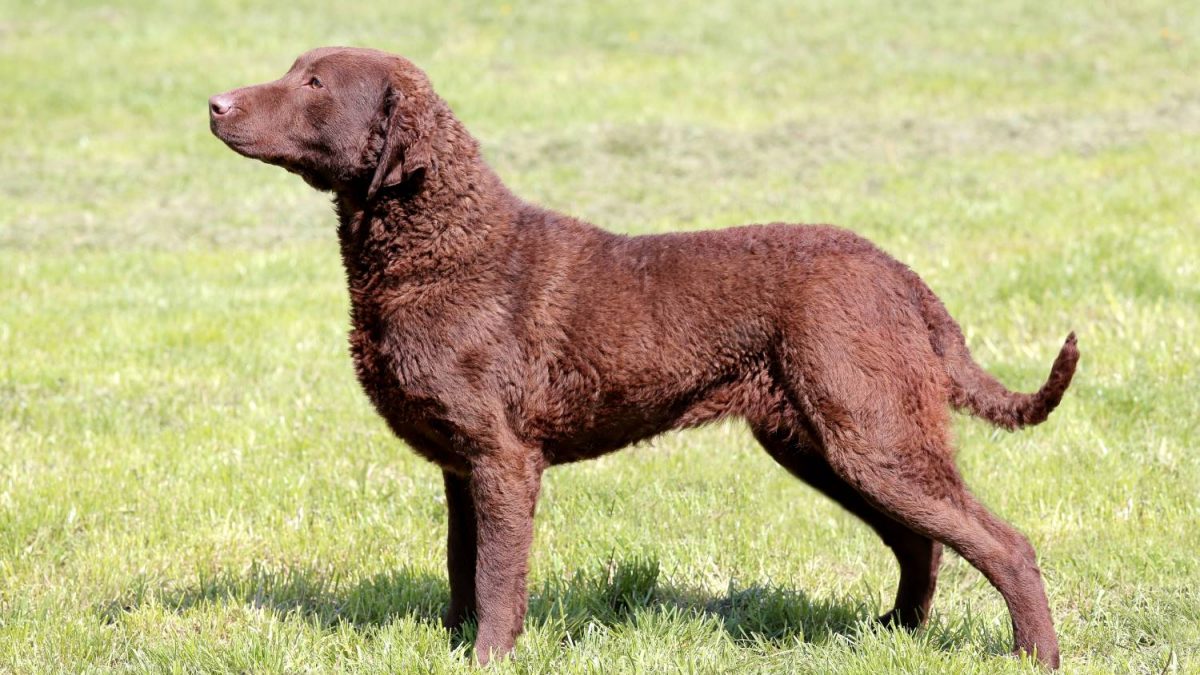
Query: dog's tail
x=974, y=390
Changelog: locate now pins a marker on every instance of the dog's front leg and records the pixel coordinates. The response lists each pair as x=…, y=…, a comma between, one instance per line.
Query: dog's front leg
x=460, y=549
x=504, y=486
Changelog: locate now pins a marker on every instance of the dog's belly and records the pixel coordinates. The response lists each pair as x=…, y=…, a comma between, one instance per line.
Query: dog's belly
x=612, y=424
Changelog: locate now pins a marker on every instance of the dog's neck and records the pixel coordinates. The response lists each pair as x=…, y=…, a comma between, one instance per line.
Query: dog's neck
x=442, y=225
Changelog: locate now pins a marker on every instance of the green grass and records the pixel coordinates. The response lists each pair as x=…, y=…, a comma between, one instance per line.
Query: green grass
x=190, y=479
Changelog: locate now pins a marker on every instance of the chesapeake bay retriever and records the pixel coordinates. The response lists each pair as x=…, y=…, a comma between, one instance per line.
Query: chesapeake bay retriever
x=498, y=338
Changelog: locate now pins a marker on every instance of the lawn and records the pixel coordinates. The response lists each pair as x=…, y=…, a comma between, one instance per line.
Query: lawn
x=192, y=481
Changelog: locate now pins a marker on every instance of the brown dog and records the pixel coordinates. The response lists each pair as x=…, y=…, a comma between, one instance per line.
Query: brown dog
x=498, y=338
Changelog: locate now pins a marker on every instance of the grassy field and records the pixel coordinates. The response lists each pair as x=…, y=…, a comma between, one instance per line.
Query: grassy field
x=191, y=480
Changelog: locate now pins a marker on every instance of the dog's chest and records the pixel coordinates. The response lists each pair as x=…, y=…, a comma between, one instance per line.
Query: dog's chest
x=398, y=363
x=422, y=356
x=401, y=380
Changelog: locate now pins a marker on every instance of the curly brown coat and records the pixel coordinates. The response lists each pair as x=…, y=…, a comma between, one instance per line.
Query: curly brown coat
x=498, y=338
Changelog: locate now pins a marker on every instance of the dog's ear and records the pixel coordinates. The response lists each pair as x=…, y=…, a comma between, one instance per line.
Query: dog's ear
x=407, y=130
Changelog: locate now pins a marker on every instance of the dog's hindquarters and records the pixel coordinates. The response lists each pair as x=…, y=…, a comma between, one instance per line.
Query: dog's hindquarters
x=858, y=364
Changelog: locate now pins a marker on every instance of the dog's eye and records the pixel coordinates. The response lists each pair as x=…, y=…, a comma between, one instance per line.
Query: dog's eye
x=315, y=83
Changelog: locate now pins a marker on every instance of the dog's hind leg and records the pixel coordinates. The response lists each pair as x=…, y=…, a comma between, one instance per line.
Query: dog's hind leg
x=950, y=514
x=919, y=556
x=884, y=431
x=855, y=358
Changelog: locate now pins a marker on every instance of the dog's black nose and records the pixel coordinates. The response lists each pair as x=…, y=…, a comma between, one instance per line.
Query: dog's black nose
x=220, y=104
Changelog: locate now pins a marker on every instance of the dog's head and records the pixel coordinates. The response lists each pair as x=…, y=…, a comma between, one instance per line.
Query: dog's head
x=347, y=120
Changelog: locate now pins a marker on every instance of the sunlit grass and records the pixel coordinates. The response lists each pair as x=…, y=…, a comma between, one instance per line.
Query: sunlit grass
x=191, y=480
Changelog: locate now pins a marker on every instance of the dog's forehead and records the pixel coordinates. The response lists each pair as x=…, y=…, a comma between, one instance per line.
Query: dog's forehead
x=344, y=58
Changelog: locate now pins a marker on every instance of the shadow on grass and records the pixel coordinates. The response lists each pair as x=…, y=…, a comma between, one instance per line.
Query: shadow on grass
x=619, y=592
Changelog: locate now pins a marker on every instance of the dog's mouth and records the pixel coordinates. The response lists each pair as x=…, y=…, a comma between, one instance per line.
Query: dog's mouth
x=247, y=148
x=233, y=135
x=250, y=147
x=229, y=136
